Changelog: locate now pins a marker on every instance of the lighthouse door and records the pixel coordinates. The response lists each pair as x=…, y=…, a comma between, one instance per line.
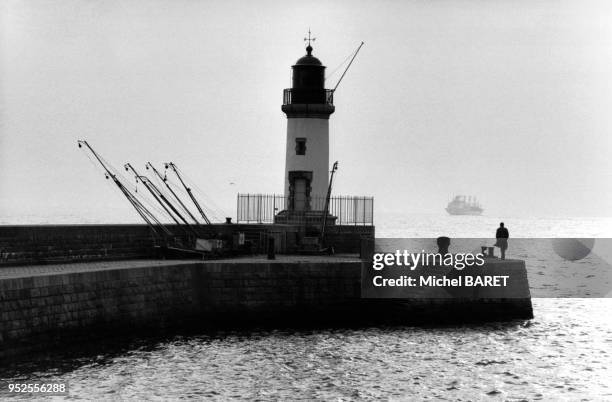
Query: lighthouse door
x=299, y=190
x=299, y=200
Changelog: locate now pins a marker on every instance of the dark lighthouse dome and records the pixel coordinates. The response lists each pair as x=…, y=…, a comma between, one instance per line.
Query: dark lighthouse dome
x=309, y=59
x=308, y=79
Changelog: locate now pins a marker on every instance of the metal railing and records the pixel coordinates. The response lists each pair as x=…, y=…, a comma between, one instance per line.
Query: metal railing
x=301, y=96
x=347, y=210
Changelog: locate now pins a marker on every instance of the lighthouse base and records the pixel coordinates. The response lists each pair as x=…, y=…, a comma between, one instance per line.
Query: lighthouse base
x=304, y=218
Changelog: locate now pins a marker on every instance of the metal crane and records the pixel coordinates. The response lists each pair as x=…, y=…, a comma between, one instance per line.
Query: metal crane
x=347, y=67
x=155, y=225
x=193, y=199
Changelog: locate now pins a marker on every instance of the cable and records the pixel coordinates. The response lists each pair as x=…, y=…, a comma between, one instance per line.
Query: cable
x=335, y=70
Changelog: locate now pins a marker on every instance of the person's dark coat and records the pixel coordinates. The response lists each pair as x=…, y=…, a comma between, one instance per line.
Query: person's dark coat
x=502, y=236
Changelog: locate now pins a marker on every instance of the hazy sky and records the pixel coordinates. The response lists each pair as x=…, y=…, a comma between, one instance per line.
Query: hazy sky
x=507, y=100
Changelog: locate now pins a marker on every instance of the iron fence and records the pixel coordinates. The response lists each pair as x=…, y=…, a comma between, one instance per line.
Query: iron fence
x=346, y=210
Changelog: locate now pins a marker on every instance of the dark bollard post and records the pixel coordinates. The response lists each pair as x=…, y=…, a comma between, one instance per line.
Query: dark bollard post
x=443, y=244
x=271, y=255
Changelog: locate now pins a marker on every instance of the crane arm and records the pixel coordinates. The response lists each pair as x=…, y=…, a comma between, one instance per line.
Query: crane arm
x=347, y=67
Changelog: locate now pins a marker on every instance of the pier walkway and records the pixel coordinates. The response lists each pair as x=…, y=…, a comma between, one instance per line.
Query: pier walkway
x=28, y=271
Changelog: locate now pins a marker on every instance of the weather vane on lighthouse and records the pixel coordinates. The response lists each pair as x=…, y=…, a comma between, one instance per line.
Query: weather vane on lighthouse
x=309, y=39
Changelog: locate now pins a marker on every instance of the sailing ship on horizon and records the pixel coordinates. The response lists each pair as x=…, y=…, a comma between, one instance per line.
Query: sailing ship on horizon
x=464, y=205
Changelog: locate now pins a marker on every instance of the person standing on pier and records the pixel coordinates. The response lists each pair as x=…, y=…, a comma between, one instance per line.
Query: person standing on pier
x=502, y=236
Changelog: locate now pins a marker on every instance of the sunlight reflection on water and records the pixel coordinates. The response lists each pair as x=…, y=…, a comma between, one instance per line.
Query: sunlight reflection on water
x=565, y=352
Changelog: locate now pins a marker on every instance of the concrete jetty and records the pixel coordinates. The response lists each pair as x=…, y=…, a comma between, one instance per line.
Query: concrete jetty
x=41, y=305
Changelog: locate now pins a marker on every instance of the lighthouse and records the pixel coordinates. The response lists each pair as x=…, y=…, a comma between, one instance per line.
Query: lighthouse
x=308, y=106
x=307, y=202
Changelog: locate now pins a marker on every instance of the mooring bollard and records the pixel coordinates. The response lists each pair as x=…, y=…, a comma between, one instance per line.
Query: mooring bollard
x=271, y=255
x=443, y=243
x=491, y=252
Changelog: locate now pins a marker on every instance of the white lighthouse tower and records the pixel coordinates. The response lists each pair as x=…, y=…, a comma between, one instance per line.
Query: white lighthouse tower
x=308, y=106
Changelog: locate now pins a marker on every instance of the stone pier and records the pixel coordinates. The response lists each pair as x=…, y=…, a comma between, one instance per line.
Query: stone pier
x=42, y=305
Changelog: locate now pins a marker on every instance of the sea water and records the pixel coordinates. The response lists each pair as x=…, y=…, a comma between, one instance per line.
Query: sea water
x=564, y=353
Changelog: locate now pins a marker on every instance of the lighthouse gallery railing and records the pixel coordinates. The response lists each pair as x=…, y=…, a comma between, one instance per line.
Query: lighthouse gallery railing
x=348, y=210
x=298, y=95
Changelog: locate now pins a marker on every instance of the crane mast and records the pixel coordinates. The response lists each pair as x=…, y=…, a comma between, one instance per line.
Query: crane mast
x=193, y=199
x=347, y=67
x=327, y=198
x=165, y=181
x=160, y=198
x=144, y=213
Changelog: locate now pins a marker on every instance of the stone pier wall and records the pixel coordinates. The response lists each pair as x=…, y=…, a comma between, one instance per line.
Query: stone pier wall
x=38, y=310
x=78, y=302
x=48, y=244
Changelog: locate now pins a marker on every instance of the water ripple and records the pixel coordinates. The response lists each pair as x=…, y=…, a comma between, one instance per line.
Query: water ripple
x=563, y=354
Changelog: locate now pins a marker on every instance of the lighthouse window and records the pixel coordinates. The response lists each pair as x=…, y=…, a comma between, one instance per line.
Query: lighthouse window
x=300, y=146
